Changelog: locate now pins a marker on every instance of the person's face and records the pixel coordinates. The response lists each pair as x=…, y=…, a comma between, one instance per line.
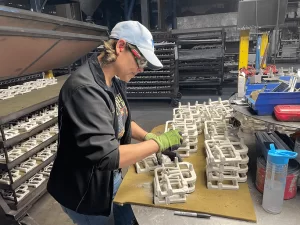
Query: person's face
x=127, y=63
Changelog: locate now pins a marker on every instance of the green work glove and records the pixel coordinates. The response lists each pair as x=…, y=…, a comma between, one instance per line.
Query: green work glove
x=149, y=136
x=168, y=153
x=170, y=140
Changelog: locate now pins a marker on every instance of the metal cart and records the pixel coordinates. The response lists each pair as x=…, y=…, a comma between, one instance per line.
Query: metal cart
x=162, y=83
x=201, y=58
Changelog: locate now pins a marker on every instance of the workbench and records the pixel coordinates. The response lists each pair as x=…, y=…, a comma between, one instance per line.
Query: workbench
x=137, y=189
x=147, y=215
x=247, y=111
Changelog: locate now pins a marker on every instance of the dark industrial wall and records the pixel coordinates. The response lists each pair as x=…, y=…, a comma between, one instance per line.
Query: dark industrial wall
x=196, y=7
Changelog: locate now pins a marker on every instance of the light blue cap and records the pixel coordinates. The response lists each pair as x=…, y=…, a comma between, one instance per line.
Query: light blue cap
x=280, y=156
x=137, y=34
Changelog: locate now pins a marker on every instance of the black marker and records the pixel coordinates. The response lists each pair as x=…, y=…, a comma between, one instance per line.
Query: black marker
x=190, y=214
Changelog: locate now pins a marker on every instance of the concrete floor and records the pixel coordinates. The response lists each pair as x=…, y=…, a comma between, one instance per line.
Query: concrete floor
x=150, y=114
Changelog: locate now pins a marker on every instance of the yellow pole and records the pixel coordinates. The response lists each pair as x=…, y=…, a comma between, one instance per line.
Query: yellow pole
x=244, y=48
x=49, y=74
x=263, y=46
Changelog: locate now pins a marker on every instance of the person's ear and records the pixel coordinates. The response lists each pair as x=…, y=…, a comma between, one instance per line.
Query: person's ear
x=121, y=45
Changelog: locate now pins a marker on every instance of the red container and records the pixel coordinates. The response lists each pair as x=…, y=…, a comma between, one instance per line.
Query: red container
x=291, y=179
x=287, y=112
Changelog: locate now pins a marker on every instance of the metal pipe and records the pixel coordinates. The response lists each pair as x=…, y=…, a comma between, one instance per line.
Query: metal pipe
x=125, y=9
x=257, y=59
x=145, y=13
x=277, y=30
x=174, y=14
x=161, y=17
x=132, y=3
x=35, y=5
x=43, y=5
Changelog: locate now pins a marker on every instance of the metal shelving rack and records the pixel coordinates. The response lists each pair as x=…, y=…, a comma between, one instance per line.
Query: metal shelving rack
x=230, y=67
x=18, y=80
x=14, y=110
x=201, y=58
x=162, y=83
x=60, y=41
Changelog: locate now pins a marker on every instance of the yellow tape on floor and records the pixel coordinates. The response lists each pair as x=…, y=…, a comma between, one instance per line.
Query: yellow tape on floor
x=137, y=189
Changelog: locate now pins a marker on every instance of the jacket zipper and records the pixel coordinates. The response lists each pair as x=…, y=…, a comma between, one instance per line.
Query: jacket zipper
x=87, y=189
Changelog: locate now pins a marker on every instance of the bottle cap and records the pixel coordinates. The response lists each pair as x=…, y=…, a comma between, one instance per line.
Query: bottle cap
x=280, y=156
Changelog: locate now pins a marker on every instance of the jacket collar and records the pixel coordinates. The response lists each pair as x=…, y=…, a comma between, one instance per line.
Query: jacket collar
x=97, y=71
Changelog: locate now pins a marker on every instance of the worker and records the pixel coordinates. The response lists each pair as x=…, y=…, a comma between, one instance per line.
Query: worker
x=95, y=129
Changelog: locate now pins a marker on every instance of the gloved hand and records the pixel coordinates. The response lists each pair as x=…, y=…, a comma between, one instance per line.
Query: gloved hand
x=171, y=155
x=168, y=153
x=149, y=136
x=169, y=141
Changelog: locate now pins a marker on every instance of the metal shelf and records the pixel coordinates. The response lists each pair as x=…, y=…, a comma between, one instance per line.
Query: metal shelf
x=158, y=45
x=230, y=66
x=195, y=31
x=27, y=176
x=292, y=19
x=200, y=74
x=32, y=197
x=169, y=66
x=168, y=61
x=157, y=73
x=154, y=78
x=200, y=83
x=55, y=49
x=201, y=56
x=149, y=84
x=137, y=95
x=198, y=42
x=26, y=19
x=164, y=51
x=10, y=81
x=146, y=88
x=21, y=105
x=200, y=67
x=171, y=56
x=198, y=63
x=161, y=83
x=27, y=155
x=25, y=135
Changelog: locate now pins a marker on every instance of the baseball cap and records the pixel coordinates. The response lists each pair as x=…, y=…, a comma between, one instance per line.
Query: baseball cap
x=137, y=34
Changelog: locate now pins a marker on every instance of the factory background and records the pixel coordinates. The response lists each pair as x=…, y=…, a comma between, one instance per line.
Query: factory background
x=230, y=76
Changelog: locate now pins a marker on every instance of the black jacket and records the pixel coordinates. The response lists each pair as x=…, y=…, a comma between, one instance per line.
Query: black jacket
x=88, y=148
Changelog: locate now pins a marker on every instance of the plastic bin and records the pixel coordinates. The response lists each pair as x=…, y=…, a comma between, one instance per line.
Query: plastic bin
x=266, y=101
x=270, y=86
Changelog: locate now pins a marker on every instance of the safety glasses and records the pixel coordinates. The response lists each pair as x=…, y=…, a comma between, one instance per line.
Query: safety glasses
x=140, y=60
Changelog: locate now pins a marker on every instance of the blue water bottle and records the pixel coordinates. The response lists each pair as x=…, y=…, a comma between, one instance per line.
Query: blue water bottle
x=276, y=172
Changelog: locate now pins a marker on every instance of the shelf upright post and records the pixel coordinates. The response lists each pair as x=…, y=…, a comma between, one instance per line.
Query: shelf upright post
x=6, y=160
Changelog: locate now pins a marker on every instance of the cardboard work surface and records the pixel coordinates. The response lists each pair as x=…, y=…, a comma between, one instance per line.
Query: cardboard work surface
x=137, y=189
